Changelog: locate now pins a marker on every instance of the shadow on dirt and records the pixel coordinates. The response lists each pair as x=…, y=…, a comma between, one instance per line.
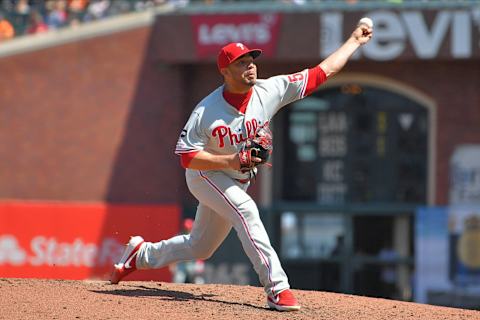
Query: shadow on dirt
x=171, y=295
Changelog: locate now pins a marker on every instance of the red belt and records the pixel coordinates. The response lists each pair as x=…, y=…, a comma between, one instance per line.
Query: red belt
x=243, y=180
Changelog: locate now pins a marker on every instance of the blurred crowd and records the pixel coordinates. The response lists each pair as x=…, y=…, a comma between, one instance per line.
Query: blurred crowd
x=20, y=17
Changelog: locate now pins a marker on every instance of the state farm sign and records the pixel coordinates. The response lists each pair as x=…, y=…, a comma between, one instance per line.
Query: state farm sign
x=255, y=30
x=49, y=251
x=416, y=34
x=77, y=241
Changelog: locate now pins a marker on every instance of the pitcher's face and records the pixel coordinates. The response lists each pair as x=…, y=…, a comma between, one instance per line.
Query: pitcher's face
x=241, y=72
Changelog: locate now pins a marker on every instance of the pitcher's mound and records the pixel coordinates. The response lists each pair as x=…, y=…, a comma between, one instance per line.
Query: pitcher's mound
x=61, y=299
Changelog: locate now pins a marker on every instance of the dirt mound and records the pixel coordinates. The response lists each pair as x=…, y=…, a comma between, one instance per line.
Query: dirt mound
x=60, y=299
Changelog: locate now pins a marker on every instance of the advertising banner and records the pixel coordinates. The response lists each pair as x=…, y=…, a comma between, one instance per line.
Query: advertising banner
x=464, y=236
x=447, y=256
x=78, y=241
x=413, y=34
x=465, y=175
x=212, y=32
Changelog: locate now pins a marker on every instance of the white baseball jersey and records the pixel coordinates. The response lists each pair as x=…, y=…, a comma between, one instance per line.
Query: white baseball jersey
x=218, y=128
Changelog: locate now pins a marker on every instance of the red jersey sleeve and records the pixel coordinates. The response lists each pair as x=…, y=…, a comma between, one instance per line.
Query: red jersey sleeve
x=316, y=76
x=186, y=158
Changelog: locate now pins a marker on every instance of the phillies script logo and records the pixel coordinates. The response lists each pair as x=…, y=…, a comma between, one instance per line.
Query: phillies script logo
x=225, y=132
x=255, y=30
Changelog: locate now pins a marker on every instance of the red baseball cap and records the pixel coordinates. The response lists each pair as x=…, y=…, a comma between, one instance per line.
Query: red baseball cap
x=232, y=52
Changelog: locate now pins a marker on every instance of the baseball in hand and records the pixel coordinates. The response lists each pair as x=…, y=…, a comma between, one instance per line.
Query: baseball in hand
x=366, y=21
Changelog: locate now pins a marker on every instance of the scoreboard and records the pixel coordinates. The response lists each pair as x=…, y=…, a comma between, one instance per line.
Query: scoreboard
x=355, y=144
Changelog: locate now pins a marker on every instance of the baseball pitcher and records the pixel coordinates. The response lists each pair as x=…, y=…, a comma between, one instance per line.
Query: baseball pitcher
x=223, y=142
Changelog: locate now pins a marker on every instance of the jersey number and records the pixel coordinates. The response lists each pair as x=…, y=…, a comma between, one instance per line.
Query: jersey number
x=295, y=77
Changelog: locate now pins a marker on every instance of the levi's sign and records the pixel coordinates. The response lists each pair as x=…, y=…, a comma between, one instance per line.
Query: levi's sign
x=413, y=34
x=212, y=32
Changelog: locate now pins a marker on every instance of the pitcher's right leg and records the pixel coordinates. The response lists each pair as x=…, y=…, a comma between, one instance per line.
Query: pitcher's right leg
x=208, y=232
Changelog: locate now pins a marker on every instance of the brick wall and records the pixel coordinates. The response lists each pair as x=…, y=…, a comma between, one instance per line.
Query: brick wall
x=90, y=121
x=99, y=119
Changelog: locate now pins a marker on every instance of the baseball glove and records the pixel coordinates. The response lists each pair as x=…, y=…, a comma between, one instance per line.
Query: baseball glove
x=260, y=146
